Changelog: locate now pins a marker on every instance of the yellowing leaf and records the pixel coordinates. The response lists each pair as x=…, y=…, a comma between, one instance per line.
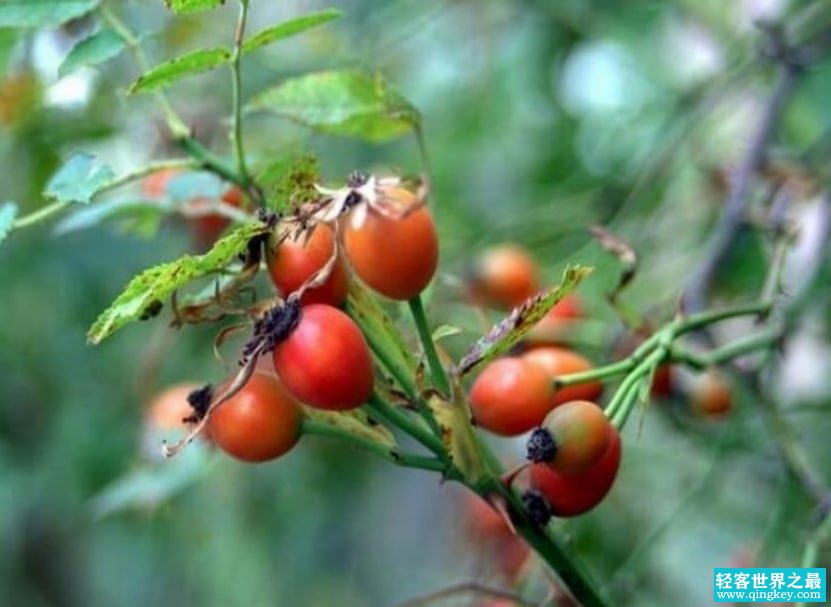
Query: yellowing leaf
x=513, y=328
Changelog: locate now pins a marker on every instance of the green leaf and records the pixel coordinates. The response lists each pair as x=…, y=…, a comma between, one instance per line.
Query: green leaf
x=522, y=319
x=457, y=433
x=78, y=180
x=8, y=211
x=354, y=422
x=99, y=47
x=383, y=336
x=290, y=28
x=347, y=103
x=170, y=71
x=445, y=331
x=156, y=284
x=191, y=6
x=151, y=486
x=289, y=180
x=42, y=13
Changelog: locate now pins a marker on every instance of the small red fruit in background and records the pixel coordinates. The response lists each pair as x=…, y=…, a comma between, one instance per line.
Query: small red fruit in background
x=711, y=394
x=511, y=396
x=325, y=361
x=396, y=257
x=170, y=407
x=259, y=423
x=557, y=361
x=293, y=262
x=154, y=186
x=571, y=495
x=503, y=277
x=208, y=228
x=491, y=535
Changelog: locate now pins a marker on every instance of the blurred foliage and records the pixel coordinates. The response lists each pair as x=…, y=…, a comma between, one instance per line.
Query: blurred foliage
x=540, y=118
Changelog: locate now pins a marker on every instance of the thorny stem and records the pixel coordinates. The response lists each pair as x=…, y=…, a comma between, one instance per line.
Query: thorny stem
x=436, y=369
x=236, y=92
x=391, y=454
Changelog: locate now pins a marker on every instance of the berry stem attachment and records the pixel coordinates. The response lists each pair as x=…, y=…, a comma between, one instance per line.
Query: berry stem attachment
x=437, y=371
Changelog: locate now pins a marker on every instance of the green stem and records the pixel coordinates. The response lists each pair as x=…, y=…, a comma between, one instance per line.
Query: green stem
x=614, y=369
x=399, y=374
x=174, y=122
x=547, y=546
x=148, y=169
x=211, y=162
x=810, y=556
x=236, y=92
x=623, y=401
x=56, y=207
x=728, y=352
x=391, y=454
x=40, y=215
x=397, y=418
x=440, y=380
x=181, y=133
x=703, y=319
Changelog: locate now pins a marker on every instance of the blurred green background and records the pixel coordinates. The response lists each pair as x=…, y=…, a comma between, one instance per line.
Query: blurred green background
x=540, y=119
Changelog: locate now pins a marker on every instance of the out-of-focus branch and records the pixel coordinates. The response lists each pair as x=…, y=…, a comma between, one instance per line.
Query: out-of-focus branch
x=732, y=219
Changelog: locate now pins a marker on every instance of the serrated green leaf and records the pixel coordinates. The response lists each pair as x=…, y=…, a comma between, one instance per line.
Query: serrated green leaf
x=356, y=423
x=78, y=179
x=170, y=71
x=513, y=328
x=286, y=29
x=98, y=48
x=8, y=212
x=192, y=6
x=288, y=180
x=348, y=103
x=42, y=13
x=158, y=283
